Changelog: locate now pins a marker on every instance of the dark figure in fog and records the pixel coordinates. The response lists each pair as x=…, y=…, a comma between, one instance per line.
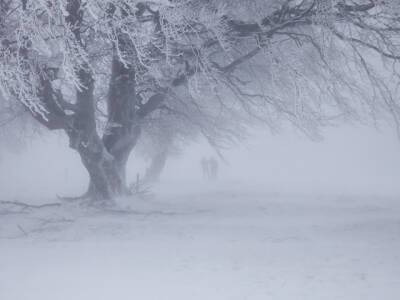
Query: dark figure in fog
x=205, y=167
x=213, y=167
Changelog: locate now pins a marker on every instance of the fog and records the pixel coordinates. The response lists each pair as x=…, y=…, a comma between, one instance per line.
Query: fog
x=285, y=213
x=349, y=160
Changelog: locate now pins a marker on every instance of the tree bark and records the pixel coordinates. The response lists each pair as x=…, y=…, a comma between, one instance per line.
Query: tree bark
x=107, y=173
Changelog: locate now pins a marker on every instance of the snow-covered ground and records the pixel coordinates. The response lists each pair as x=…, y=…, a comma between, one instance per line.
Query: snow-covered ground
x=207, y=243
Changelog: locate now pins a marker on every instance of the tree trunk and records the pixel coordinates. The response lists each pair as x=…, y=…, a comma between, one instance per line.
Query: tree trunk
x=157, y=164
x=107, y=172
x=106, y=181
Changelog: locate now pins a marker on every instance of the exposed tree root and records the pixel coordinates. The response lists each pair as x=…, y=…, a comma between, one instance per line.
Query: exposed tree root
x=136, y=189
x=30, y=206
x=16, y=207
x=85, y=196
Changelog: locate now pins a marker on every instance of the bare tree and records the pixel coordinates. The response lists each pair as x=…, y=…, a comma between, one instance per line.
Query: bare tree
x=301, y=61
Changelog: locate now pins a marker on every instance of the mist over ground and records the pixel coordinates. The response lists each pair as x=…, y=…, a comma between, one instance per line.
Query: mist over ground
x=355, y=161
x=287, y=219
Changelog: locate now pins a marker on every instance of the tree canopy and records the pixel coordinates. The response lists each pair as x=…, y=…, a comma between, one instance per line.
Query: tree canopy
x=98, y=69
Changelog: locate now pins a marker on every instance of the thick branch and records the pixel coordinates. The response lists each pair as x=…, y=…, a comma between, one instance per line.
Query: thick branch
x=151, y=105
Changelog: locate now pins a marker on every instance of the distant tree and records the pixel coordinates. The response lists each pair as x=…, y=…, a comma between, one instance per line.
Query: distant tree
x=178, y=123
x=159, y=149
x=16, y=127
x=302, y=61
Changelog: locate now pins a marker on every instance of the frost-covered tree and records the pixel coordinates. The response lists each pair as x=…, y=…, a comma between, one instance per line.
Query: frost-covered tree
x=301, y=61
